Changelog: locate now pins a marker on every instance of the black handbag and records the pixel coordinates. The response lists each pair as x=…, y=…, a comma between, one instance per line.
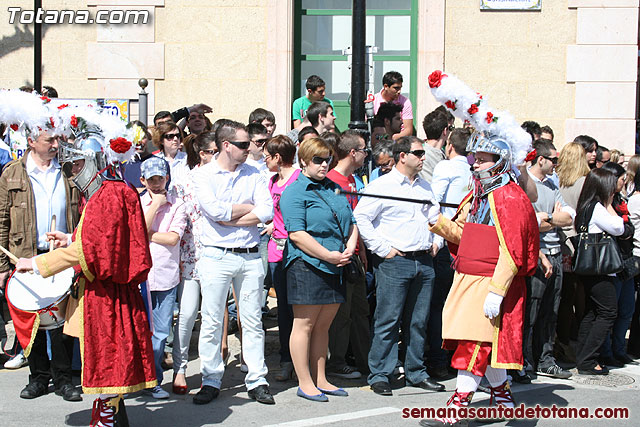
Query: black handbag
x=631, y=267
x=595, y=253
x=354, y=271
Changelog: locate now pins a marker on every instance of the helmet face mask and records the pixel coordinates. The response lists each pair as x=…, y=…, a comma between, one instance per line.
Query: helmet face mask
x=497, y=175
x=85, y=147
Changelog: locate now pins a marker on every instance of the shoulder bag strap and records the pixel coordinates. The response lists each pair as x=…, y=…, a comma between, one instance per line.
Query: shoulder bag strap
x=335, y=216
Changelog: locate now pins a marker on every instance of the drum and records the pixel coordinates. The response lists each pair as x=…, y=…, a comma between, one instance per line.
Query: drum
x=36, y=294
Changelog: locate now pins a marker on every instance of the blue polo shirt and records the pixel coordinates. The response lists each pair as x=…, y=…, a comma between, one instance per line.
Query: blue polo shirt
x=303, y=210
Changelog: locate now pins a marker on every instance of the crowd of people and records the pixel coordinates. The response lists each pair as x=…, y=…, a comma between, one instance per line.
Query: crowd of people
x=365, y=286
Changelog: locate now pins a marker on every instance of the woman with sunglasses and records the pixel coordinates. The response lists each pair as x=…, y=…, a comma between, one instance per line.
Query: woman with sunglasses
x=319, y=222
x=168, y=138
x=200, y=151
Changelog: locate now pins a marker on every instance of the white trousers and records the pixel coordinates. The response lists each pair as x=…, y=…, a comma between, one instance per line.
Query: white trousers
x=189, y=302
x=218, y=269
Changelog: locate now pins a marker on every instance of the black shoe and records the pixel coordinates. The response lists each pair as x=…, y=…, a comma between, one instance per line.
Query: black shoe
x=206, y=394
x=429, y=384
x=554, y=371
x=261, y=394
x=233, y=326
x=382, y=388
x=611, y=361
x=521, y=377
x=69, y=393
x=33, y=390
x=593, y=371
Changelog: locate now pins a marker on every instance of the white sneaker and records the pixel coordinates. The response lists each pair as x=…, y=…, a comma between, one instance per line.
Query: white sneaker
x=156, y=392
x=16, y=362
x=346, y=372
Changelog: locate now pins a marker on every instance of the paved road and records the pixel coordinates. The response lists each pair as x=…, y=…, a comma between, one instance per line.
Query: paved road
x=361, y=408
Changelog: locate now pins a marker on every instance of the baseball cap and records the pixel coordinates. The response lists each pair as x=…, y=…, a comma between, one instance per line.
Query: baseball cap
x=154, y=166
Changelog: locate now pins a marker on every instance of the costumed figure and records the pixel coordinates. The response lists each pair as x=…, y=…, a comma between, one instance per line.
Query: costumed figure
x=495, y=240
x=109, y=250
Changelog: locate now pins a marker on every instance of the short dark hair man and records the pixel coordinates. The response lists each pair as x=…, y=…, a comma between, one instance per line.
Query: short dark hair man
x=391, y=115
x=436, y=127
x=315, y=92
x=320, y=115
x=266, y=118
x=391, y=87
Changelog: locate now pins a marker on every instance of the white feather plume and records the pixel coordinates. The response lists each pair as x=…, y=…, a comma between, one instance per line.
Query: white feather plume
x=458, y=98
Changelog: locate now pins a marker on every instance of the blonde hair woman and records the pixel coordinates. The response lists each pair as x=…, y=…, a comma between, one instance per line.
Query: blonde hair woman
x=632, y=170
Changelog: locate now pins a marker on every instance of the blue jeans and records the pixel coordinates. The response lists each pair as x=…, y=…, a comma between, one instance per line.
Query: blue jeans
x=614, y=345
x=403, y=292
x=162, y=310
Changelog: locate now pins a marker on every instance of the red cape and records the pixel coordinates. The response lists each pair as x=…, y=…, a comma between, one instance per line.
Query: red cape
x=116, y=344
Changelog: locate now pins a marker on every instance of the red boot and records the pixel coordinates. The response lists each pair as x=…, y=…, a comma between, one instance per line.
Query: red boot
x=502, y=395
x=102, y=414
x=460, y=400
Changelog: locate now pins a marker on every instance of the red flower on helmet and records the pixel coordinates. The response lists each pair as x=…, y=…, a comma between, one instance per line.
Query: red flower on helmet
x=51, y=122
x=74, y=121
x=473, y=109
x=435, y=78
x=60, y=107
x=46, y=99
x=489, y=118
x=14, y=127
x=451, y=105
x=120, y=145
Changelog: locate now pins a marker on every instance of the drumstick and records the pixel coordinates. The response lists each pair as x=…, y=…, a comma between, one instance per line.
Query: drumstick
x=53, y=228
x=9, y=254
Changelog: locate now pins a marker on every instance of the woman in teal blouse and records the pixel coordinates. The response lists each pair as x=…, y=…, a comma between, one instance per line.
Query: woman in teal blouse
x=319, y=221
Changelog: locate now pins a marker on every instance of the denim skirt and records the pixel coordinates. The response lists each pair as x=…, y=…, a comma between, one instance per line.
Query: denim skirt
x=307, y=285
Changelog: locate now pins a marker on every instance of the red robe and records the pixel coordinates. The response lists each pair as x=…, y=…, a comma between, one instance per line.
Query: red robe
x=112, y=248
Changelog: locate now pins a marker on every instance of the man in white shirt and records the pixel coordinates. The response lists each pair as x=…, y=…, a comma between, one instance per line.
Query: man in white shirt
x=397, y=234
x=451, y=183
x=234, y=198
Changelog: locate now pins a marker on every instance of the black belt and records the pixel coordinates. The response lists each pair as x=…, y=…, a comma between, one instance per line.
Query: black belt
x=414, y=254
x=239, y=250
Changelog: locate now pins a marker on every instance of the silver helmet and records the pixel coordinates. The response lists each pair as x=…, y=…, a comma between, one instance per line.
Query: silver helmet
x=85, y=147
x=499, y=174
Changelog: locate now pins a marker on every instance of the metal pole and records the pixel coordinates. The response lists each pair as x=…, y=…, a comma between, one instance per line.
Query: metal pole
x=37, y=49
x=142, y=101
x=358, y=65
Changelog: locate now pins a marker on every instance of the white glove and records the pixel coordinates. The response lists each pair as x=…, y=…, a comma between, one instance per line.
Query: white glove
x=433, y=212
x=492, y=305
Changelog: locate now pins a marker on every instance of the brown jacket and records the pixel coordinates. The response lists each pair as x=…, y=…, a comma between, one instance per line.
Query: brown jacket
x=17, y=211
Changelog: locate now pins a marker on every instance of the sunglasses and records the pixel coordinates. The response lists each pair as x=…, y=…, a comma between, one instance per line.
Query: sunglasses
x=260, y=142
x=170, y=136
x=317, y=160
x=417, y=153
x=209, y=151
x=365, y=150
x=553, y=160
x=243, y=145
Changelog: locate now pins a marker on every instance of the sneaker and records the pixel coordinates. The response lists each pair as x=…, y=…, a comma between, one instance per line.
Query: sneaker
x=156, y=392
x=346, y=372
x=554, y=371
x=16, y=362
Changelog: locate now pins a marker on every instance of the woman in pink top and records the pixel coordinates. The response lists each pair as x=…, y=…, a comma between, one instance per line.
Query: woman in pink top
x=279, y=154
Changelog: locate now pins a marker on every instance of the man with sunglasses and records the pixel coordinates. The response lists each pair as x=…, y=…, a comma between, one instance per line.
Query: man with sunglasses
x=258, y=136
x=234, y=199
x=543, y=290
x=352, y=320
x=398, y=235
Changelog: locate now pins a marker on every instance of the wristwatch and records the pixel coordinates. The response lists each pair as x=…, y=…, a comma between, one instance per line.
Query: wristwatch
x=550, y=218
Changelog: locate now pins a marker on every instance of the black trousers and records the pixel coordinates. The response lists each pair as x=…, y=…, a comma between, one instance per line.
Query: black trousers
x=601, y=309
x=59, y=367
x=543, y=301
